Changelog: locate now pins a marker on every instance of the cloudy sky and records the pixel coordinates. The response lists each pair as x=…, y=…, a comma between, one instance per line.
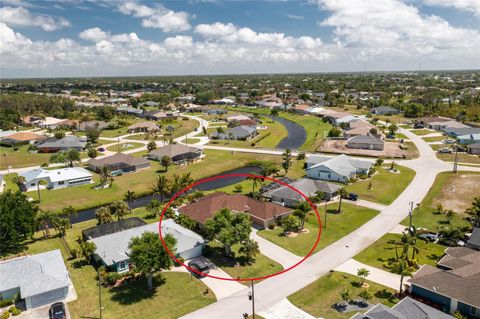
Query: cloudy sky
x=113, y=38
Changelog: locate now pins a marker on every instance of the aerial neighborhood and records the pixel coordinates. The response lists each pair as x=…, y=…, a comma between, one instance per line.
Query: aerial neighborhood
x=131, y=198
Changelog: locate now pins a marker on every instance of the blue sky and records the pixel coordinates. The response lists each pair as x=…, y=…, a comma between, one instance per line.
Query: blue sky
x=68, y=37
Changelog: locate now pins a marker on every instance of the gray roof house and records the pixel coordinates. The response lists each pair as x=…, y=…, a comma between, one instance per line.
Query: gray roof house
x=93, y=124
x=474, y=148
x=286, y=196
x=112, y=249
x=53, y=145
x=339, y=169
x=39, y=279
x=118, y=163
x=384, y=110
x=455, y=131
x=407, y=308
x=366, y=142
x=179, y=153
x=474, y=240
x=242, y=132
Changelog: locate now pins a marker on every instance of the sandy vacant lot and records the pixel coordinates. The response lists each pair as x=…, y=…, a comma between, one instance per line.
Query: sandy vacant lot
x=458, y=192
x=391, y=149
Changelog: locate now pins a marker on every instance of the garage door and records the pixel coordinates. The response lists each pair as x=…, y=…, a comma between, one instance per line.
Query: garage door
x=47, y=297
x=191, y=253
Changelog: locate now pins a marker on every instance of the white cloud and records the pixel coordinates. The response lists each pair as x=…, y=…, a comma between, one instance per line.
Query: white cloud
x=158, y=17
x=465, y=5
x=295, y=17
x=93, y=34
x=19, y=16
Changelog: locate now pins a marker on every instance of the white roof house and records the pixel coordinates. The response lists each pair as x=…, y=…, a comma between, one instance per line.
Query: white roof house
x=57, y=178
x=50, y=122
x=239, y=117
x=113, y=250
x=40, y=278
x=340, y=168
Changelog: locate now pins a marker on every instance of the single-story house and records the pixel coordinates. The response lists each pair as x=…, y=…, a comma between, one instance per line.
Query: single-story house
x=39, y=279
x=179, y=153
x=31, y=120
x=339, y=169
x=358, y=127
x=52, y=122
x=56, y=178
x=241, y=132
x=237, y=118
x=425, y=121
x=149, y=103
x=129, y=110
x=216, y=111
x=474, y=240
x=286, y=196
x=224, y=101
x=337, y=118
x=441, y=125
x=469, y=139
x=454, y=285
x=407, y=308
x=113, y=227
x=143, y=127
x=158, y=115
x=53, y=144
x=454, y=132
x=366, y=142
x=17, y=138
x=118, y=163
x=384, y=110
x=474, y=148
x=93, y=124
x=112, y=249
x=261, y=213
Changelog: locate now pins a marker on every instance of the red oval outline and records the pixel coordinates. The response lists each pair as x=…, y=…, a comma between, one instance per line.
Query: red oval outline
x=239, y=175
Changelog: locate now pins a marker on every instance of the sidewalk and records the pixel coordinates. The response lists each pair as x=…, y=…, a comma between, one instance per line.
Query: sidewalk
x=376, y=275
x=272, y=251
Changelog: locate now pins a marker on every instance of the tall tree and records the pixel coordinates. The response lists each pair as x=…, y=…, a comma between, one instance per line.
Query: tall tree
x=44, y=218
x=250, y=249
x=151, y=146
x=474, y=211
x=72, y=156
x=149, y=256
x=401, y=268
x=154, y=207
x=129, y=196
x=87, y=249
x=301, y=211
x=105, y=176
x=103, y=215
x=161, y=186
x=92, y=152
x=17, y=221
x=119, y=208
x=92, y=133
x=287, y=160
x=69, y=212
x=363, y=273
x=228, y=228
x=166, y=161
x=343, y=193
x=274, y=114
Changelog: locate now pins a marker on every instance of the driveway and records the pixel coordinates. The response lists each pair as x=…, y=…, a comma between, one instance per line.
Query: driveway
x=39, y=313
x=284, y=309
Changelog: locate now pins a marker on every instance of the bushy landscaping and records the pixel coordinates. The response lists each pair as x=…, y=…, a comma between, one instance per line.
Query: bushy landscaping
x=318, y=298
x=338, y=225
x=384, y=186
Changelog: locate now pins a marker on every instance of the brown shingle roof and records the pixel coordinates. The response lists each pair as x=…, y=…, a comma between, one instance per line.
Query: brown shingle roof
x=24, y=136
x=117, y=158
x=207, y=206
x=173, y=150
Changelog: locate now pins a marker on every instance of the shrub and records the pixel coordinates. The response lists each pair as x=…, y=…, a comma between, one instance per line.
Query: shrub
x=5, y=315
x=6, y=302
x=182, y=260
x=74, y=252
x=112, y=277
x=16, y=312
x=271, y=226
x=301, y=156
x=207, y=251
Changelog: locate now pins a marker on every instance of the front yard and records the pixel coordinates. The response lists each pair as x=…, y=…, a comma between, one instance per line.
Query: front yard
x=122, y=147
x=338, y=225
x=453, y=191
x=318, y=297
x=385, y=185
x=462, y=158
x=383, y=250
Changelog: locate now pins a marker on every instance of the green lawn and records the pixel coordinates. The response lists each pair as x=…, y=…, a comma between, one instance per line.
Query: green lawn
x=263, y=266
x=191, y=140
x=318, y=297
x=421, y=132
x=338, y=225
x=114, y=133
x=454, y=191
x=140, y=182
x=383, y=250
x=386, y=186
x=434, y=139
x=21, y=158
x=462, y=158
x=122, y=147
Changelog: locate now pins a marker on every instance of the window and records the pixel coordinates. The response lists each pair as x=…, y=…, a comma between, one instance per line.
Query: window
x=122, y=265
x=32, y=184
x=61, y=183
x=475, y=312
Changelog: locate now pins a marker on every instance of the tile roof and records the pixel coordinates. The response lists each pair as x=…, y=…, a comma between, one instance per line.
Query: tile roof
x=34, y=274
x=173, y=150
x=24, y=136
x=147, y=125
x=205, y=207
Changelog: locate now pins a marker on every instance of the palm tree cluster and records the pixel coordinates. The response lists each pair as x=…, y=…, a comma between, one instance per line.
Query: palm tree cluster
x=164, y=186
x=117, y=208
x=47, y=219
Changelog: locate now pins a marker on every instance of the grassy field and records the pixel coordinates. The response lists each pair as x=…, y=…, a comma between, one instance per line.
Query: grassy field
x=263, y=266
x=462, y=158
x=383, y=250
x=141, y=181
x=421, y=132
x=338, y=225
x=191, y=140
x=318, y=297
x=182, y=127
x=434, y=139
x=114, y=133
x=386, y=186
x=453, y=191
x=21, y=158
x=122, y=147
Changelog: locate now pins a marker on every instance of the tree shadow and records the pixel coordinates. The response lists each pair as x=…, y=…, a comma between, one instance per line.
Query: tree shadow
x=135, y=291
x=433, y=257
x=384, y=294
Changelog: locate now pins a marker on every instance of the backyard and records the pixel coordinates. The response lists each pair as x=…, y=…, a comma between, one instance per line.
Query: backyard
x=385, y=185
x=453, y=191
x=338, y=225
x=383, y=250
x=122, y=147
x=318, y=297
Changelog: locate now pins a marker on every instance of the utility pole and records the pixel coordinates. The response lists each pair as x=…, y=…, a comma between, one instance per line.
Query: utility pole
x=100, y=292
x=325, y=223
x=118, y=144
x=455, y=161
x=410, y=215
x=251, y=296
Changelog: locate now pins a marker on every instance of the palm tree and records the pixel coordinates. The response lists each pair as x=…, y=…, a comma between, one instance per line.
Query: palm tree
x=154, y=207
x=103, y=215
x=474, y=211
x=160, y=187
x=119, y=208
x=274, y=114
x=176, y=184
x=401, y=268
x=301, y=212
x=254, y=180
x=166, y=161
x=250, y=249
x=61, y=225
x=363, y=273
x=69, y=211
x=345, y=295
x=449, y=215
x=129, y=197
x=43, y=183
x=365, y=295
x=44, y=218
x=343, y=193
x=186, y=180
x=105, y=175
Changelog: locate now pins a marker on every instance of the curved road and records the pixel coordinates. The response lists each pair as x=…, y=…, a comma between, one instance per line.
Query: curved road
x=272, y=290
